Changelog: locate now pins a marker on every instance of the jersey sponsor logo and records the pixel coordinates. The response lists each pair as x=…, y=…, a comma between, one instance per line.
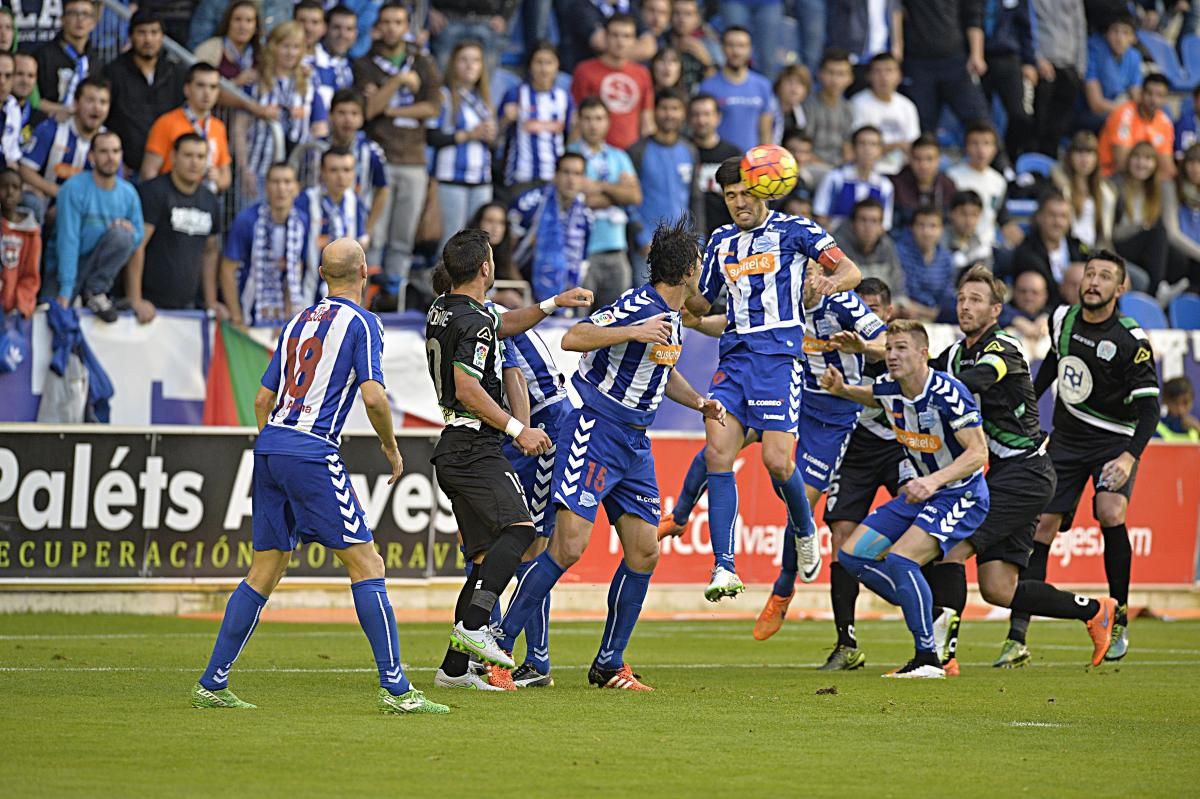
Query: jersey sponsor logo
x=648, y=500
x=1083, y=340
x=481, y=354
x=665, y=354
x=870, y=326
x=815, y=461
x=763, y=263
x=920, y=442
x=1106, y=350
x=1142, y=355
x=816, y=346
x=65, y=170
x=1074, y=380
x=603, y=318
x=768, y=403
x=995, y=346
x=773, y=417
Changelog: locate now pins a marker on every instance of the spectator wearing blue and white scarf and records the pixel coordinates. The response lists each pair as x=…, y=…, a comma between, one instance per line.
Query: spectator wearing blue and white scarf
x=552, y=224
x=461, y=138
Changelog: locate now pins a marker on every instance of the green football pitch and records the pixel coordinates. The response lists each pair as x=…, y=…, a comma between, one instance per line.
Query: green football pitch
x=97, y=706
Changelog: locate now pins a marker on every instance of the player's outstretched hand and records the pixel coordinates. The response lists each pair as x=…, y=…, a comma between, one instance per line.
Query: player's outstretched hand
x=395, y=460
x=713, y=409
x=653, y=331
x=574, y=298
x=831, y=380
x=847, y=341
x=919, y=489
x=533, y=441
x=825, y=285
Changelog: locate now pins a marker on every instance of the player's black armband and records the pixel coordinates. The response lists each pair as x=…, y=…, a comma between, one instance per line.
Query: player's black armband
x=1147, y=408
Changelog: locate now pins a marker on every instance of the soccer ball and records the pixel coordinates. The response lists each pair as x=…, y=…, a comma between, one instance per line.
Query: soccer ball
x=769, y=171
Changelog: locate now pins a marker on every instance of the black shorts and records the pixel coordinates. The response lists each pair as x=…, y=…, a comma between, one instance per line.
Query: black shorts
x=1019, y=489
x=869, y=462
x=485, y=493
x=1074, y=462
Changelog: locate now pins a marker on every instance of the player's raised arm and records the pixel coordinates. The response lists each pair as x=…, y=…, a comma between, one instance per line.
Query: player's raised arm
x=844, y=276
x=516, y=322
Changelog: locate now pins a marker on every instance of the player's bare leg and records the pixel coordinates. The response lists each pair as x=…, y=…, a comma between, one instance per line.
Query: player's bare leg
x=843, y=587
x=723, y=445
x=639, y=544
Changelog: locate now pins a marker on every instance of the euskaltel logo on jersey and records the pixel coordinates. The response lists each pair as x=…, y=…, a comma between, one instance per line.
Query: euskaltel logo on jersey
x=762, y=263
x=665, y=354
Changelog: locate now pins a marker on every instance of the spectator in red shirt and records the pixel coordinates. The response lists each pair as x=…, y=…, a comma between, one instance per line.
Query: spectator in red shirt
x=624, y=86
x=21, y=251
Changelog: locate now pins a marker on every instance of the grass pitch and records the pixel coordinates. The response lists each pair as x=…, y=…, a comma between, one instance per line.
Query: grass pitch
x=97, y=706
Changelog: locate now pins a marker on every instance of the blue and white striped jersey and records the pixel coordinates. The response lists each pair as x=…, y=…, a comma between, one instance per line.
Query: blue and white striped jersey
x=764, y=271
x=57, y=151
x=844, y=311
x=471, y=161
x=531, y=151
x=324, y=353
x=626, y=382
x=926, y=424
x=529, y=353
x=842, y=189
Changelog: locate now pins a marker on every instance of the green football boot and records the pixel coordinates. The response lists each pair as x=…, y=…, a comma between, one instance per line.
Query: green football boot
x=1120, y=635
x=1013, y=655
x=412, y=702
x=844, y=658
x=224, y=698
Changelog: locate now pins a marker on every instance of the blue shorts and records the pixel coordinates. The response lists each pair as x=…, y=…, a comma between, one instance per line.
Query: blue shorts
x=604, y=461
x=950, y=515
x=760, y=391
x=821, y=447
x=305, y=499
x=535, y=473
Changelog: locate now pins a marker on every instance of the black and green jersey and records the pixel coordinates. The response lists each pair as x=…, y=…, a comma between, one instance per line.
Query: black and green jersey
x=461, y=333
x=1100, y=371
x=995, y=370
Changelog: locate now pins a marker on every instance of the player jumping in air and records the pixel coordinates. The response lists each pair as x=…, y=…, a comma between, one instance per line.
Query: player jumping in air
x=838, y=330
x=631, y=348
x=1020, y=480
x=937, y=421
x=301, y=488
x=1104, y=415
x=463, y=350
x=762, y=260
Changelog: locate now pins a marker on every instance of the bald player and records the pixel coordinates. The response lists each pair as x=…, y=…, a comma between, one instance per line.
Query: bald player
x=302, y=491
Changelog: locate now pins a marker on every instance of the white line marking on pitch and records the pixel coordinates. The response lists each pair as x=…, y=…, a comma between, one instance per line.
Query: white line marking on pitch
x=1036, y=724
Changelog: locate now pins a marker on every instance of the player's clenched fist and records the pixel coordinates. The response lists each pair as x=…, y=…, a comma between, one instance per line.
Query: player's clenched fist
x=533, y=441
x=831, y=380
x=713, y=409
x=574, y=298
x=655, y=331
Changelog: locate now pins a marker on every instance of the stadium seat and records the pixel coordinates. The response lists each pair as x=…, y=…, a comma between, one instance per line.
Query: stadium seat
x=1189, y=50
x=1144, y=309
x=1163, y=54
x=1184, y=312
x=1035, y=164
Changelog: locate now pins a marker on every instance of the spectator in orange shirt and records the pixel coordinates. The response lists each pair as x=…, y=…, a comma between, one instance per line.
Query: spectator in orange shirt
x=1138, y=121
x=200, y=93
x=20, y=249
x=625, y=86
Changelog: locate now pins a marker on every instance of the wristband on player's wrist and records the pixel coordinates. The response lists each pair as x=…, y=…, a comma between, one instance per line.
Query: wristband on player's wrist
x=514, y=427
x=548, y=306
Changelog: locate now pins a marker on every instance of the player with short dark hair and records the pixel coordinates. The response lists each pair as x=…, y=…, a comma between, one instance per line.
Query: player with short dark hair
x=762, y=260
x=301, y=488
x=936, y=419
x=1020, y=480
x=630, y=351
x=1104, y=415
x=463, y=350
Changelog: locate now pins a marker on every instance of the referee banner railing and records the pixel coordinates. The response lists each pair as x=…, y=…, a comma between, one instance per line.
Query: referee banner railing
x=126, y=505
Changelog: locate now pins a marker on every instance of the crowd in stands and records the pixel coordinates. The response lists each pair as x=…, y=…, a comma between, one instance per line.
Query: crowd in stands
x=930, y=135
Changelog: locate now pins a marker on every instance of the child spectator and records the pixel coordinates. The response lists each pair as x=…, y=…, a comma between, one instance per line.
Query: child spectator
x=21, y=255
x=929, y=285
x=962, y=235
x=844, y=187
x=976, y=173
x=1178, y=423
x=536, y=116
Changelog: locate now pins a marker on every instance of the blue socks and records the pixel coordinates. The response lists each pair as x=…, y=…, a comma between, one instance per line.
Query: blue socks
x=722, y=516
x=537, y=630
x=241, y=617
x=916, y=600
x=694, y=483
x=874, y=574
x=793, y=495
x=379, y=623
x=625, y=597
x=785, y=584
x=538, y=577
